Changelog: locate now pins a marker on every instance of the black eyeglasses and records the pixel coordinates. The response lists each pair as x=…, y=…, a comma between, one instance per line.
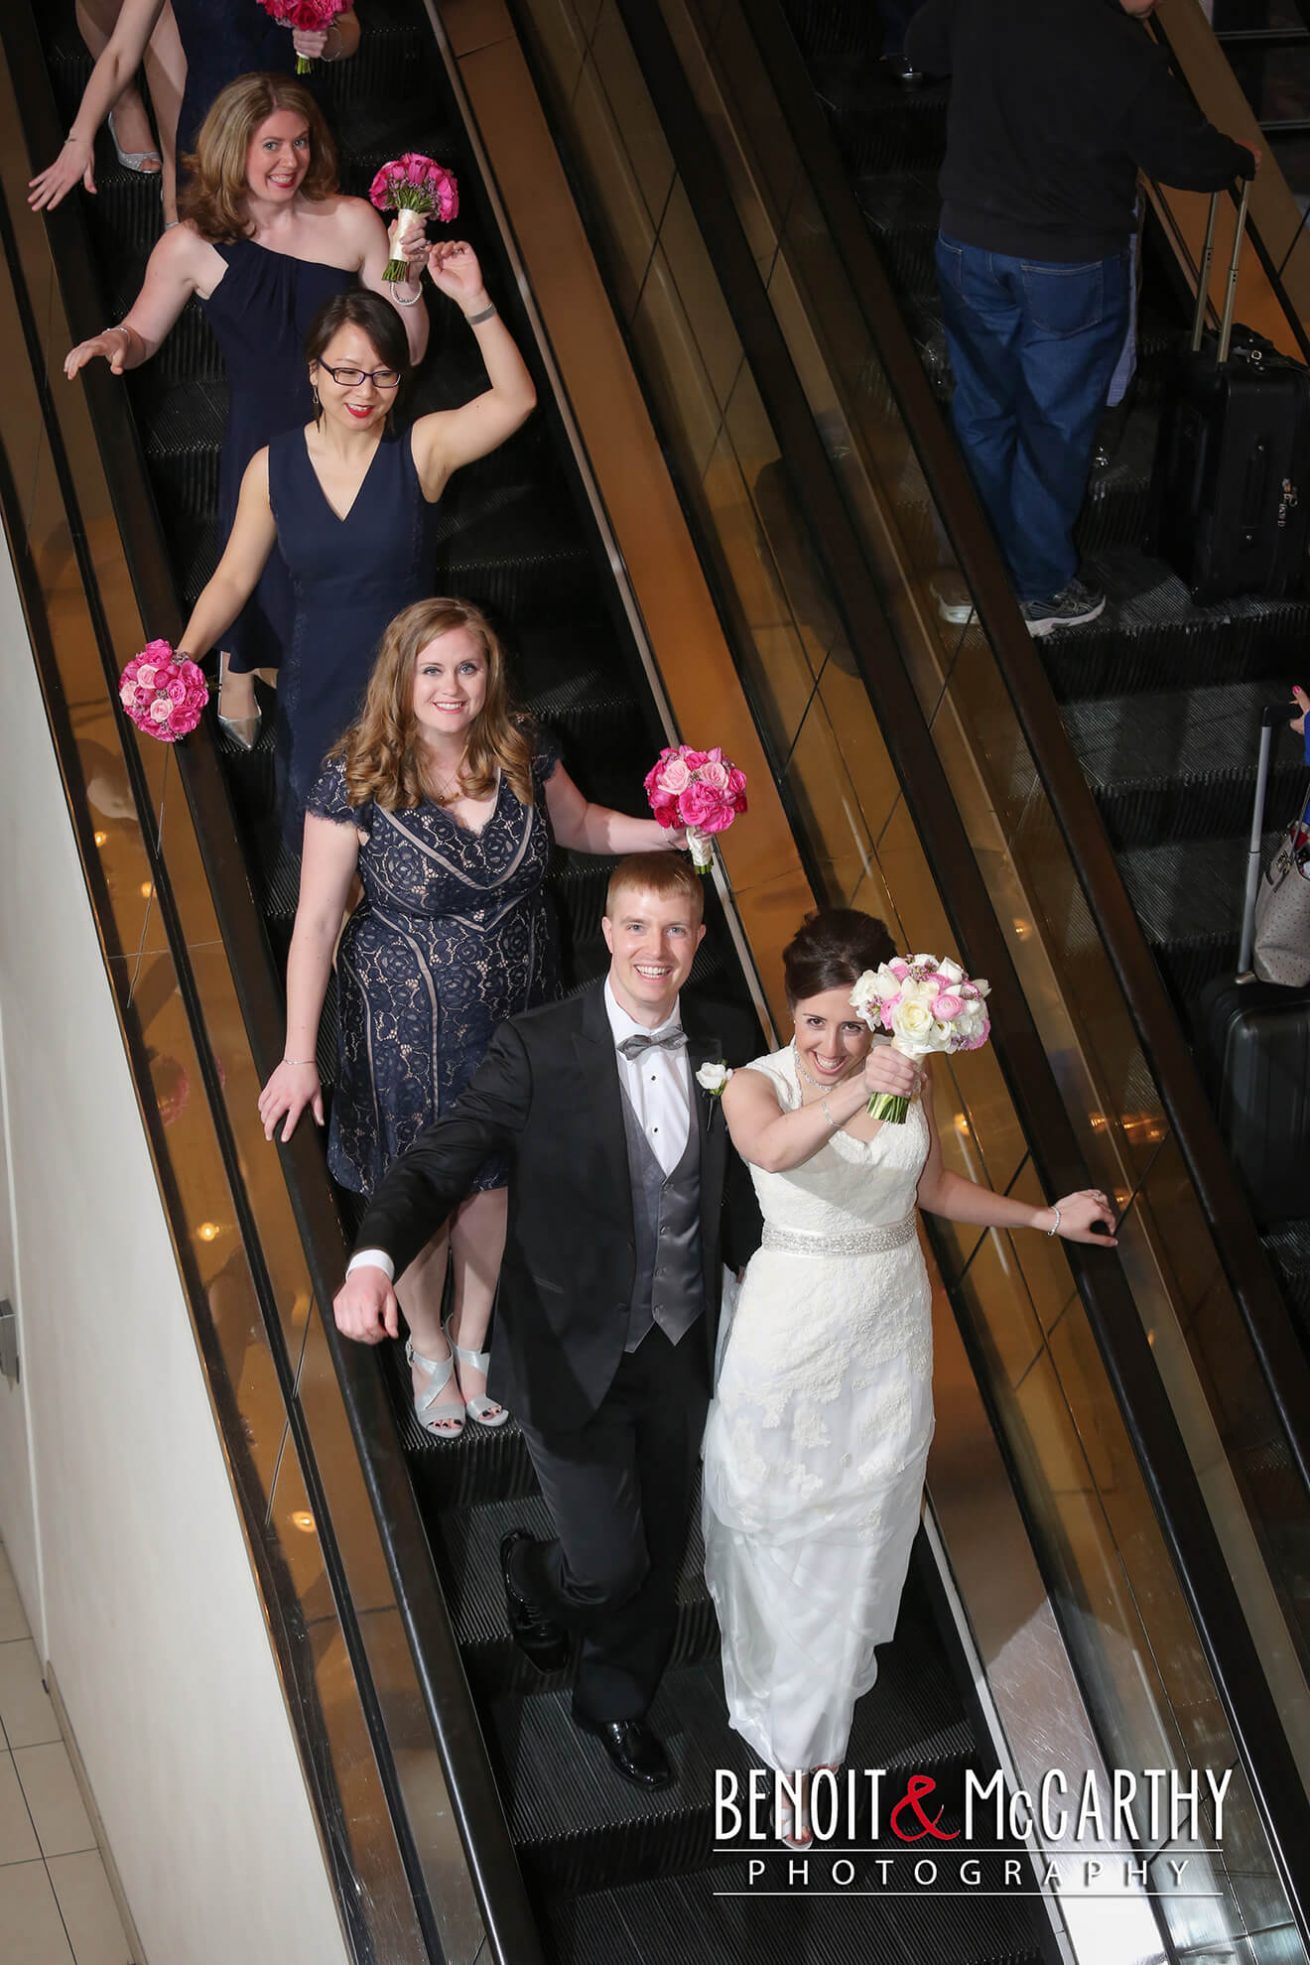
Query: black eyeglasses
x=350, y=378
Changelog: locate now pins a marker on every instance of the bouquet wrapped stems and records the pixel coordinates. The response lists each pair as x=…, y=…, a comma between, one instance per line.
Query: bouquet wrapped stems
x=893, y=1108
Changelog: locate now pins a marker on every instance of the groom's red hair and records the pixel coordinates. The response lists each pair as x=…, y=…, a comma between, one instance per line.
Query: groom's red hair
x=666, y=875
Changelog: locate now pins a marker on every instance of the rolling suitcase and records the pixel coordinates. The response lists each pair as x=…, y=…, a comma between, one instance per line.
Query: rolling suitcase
x=1230, y=494
x=1257, y=1035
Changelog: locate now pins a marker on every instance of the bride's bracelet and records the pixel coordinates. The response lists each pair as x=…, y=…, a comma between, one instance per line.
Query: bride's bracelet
x=1054, y=1228
x=834, y=1123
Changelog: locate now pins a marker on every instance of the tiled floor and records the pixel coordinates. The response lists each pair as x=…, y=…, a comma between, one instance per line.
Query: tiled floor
x=55, y=1902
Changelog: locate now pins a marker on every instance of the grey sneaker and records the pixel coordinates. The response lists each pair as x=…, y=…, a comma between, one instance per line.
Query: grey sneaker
x=1073, y=607
x=954, y=601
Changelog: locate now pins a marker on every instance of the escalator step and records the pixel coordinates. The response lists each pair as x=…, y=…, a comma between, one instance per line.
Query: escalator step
x=698, y=1918
x=1164, y=765
x=1152, y=636
x=1188, y=898
x=577, y=1824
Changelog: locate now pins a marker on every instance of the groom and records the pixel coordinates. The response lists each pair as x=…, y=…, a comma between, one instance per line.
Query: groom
x=609, y=1296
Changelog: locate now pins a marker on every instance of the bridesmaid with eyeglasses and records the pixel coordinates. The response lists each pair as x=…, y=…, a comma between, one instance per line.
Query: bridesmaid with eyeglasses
x=350, y=502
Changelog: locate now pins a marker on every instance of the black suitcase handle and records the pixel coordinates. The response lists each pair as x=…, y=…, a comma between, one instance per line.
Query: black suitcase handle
x=1203, y=278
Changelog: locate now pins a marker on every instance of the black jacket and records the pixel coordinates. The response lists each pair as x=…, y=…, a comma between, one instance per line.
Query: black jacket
x=547, y=1092
x=1055, y=106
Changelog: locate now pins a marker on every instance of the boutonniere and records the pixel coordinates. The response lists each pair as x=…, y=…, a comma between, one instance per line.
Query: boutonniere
x=713, y=1077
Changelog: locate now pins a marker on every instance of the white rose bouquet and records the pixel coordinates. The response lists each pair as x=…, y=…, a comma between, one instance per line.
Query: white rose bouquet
x=927, y=1006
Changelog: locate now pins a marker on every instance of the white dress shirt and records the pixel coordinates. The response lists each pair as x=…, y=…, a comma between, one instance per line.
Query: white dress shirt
x=657, y=1083
x=658, y=1087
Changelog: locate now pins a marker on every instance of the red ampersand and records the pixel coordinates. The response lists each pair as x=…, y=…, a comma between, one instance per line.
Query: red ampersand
x=916, y=1788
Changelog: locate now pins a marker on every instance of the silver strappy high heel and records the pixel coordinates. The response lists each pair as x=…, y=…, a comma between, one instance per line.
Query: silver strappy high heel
x=438, y=1374
x=484, y=1411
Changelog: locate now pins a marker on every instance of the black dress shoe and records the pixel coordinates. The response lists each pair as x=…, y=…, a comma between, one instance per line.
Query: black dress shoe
x=632, y=1747
x=542, y=1642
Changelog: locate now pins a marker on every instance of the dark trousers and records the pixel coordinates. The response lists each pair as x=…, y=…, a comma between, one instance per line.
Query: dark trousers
x=1033, y=345
x=619, y=1492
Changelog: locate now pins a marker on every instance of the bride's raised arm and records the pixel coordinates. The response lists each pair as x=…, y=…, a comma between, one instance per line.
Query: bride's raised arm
x=1082, y=1217
x=775, y=1140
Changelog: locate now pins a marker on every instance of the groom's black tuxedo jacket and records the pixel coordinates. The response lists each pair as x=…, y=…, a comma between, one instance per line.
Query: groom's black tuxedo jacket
x=547, y=1092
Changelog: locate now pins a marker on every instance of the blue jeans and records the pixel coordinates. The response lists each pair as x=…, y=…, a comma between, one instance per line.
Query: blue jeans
x=896, y=17
x=1033, y=345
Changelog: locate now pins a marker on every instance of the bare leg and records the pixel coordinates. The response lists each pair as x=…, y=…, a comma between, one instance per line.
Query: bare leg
x=236, y=701
x=95, y=23
x=477, y=1245
x=165, y=66
x=420, y=1291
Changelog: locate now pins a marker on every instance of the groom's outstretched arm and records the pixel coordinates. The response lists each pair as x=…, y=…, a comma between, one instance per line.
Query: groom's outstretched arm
x=428, y=1182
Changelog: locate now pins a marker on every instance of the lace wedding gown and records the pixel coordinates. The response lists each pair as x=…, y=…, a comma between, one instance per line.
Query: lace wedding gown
x=818, y=1437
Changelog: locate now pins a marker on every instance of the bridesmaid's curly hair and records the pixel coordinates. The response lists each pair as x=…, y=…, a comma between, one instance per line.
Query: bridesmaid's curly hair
x=214, y=197
x=832, y=948
x=382, y=753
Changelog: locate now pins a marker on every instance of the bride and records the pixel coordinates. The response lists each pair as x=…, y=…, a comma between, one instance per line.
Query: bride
x=818, y=1435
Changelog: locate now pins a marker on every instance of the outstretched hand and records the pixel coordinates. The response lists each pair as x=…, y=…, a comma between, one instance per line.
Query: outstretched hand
x=1082, y=1214
x=76, y=161
x=365, y=1306
x=1302, y=702
x=455, y=271
x=111, y=345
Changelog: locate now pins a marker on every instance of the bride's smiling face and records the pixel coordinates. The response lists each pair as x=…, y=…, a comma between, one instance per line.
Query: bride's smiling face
x=831, y=1040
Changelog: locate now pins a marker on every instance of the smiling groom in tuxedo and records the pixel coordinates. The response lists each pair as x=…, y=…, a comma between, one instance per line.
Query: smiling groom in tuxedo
x=609, y=1292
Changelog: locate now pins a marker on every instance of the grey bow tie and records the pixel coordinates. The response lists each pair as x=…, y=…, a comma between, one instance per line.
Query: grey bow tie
x=672, y=1040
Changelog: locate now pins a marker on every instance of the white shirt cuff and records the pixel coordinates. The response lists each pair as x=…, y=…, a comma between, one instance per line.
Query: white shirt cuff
x=373, y=1259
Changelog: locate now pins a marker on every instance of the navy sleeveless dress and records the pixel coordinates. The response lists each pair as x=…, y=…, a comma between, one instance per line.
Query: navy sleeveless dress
x=222, y=39
x=349, y=577
x=453, y=935
x=260, y=313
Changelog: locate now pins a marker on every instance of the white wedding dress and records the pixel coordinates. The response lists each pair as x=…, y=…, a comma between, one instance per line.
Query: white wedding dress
x=818, y=1437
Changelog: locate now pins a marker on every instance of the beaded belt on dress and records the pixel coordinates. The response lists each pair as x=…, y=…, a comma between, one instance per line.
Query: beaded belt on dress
x=864, y=1241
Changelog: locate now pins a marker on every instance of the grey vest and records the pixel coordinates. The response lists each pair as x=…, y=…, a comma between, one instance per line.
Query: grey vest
x=669, y=1287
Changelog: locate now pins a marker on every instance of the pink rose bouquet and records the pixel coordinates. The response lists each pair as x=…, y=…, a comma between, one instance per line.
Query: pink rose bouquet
x=309, y=16
x=163, y=696
x=700, y=790
x=927, y=1006
x=417, y=185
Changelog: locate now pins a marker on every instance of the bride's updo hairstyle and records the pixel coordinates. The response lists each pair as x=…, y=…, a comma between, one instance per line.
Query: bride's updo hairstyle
x=831, y=950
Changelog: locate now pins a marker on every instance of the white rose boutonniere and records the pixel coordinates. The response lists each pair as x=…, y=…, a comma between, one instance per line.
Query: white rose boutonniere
x=713, y=1077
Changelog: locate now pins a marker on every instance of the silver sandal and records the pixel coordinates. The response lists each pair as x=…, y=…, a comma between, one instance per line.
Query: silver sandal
x=135, y=160
x=482, y=1410
x=427, y=1411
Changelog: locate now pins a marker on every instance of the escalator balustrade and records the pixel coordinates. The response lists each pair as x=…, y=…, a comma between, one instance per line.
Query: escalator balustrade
x=618, y=1875
x=1160, y=698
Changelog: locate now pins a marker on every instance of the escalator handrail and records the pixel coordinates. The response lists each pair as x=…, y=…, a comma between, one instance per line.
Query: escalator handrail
x=1148, y=1415
x=510, y=1924
x=1283, y=1364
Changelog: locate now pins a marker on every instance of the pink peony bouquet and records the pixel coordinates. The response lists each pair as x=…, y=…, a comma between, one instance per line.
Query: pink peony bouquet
x=700, y=790
x=310, y=16
x=413, y=186
x=163, y=697
x=927, y=1006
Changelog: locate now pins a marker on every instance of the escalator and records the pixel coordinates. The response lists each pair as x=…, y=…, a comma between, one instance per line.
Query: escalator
x=611, y=1875
x=515, y=539
x=1161, y=699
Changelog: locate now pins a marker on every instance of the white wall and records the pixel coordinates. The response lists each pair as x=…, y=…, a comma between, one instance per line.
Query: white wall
x=114, y=1498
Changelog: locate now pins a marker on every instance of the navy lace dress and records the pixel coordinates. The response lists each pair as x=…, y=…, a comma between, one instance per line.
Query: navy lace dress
x=260, y=313
x=349, y=578
x=221, y=40
x=453, y=935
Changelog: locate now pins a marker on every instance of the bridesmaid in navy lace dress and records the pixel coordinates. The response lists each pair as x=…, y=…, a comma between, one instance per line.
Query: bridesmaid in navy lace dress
x=349, y=505
x=446, y=807
x=196, y=48
x=266, y=240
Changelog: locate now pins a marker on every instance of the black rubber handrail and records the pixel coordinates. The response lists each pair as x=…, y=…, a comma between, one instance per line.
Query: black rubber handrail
x=475, y=1802
x=1148, y=1416
x=1283, y=1363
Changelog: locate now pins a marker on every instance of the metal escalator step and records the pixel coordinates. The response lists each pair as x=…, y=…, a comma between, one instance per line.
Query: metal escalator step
x=1288, y=1248
x=1179, y=764
x=1188, y=897
x=517, y=563
x=469, y=1539
x=723, y=1917
x=578, y=1824
x=1152, y=635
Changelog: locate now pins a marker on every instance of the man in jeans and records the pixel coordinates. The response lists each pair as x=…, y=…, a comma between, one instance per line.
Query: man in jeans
x=1055, y=107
